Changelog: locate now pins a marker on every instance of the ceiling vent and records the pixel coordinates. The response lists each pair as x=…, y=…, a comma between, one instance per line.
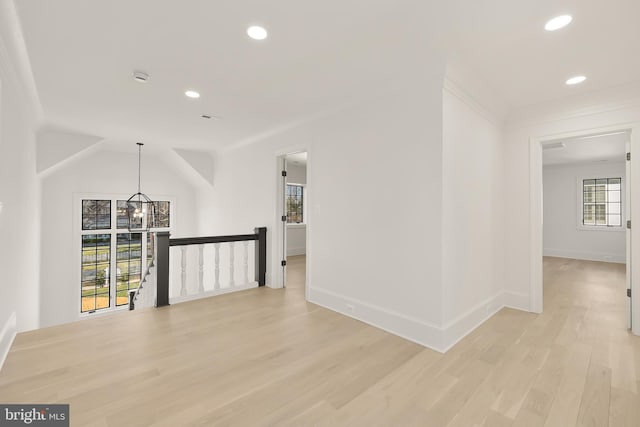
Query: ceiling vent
x=140, y=77
x=554, y=146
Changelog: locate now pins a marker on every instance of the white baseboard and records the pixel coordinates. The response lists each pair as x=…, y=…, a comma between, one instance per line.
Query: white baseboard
x=7, y=335
x=464, y=324
x=407, y=327
x=296, y=251
x=516, y=301
x=207, y=294
x=586, y=256
x=437, y=338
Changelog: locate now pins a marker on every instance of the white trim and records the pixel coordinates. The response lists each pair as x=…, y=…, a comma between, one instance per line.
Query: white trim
x=440, y=339
x=586, y=256
x=627, y=212
x=536, y=216
x=621, y=97
x=516, y=301
x=7, y=335
x=213, y=293
x=407, y=327
x=633, y=181
x=466, y=323
x=529, y=121
x=276, y=278
x=535, y=226
x=456, y=91
x=278, y=245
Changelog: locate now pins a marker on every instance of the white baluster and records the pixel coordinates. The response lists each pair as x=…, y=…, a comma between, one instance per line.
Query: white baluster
x=201, y=269
x=183, y=270
x=232, y=262
x=216, y=284
x=245, y=262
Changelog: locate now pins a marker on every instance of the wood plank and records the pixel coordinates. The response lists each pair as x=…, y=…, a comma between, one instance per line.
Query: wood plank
x=268, y=357
x=594, y=407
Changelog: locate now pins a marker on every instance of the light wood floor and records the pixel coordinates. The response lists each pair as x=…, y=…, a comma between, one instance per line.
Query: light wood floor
x=267, y=357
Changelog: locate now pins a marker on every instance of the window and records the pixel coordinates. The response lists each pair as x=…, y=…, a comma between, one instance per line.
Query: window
x=112, y=259
x=602, y=202
x=96, y=214
x=96, y=260
x=295, y=202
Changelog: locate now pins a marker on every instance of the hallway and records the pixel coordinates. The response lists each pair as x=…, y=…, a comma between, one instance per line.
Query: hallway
x=296, y=272
x=267, y=357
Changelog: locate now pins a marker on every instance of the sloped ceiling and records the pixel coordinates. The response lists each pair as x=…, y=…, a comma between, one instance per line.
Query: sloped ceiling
x=54, y=146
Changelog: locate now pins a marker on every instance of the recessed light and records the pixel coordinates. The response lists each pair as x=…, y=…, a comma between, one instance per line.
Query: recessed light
x=257, y=33
x=140, y=76
x=192, y=94
x=576, y=80
x=558, y=22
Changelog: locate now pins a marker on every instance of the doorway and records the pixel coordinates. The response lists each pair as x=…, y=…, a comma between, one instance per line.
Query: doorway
x=295, y=220
x=585, y=209
x=590, y=211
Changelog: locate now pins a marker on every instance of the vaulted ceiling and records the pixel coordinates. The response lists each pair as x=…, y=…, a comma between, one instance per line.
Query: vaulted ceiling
x=318, y=56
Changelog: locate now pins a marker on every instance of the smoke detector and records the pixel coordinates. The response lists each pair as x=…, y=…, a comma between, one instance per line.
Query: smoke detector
x=140, y=76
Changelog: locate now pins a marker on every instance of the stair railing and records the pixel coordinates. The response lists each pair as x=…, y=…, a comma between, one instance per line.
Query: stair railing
x=238, y=278
x=147, y=277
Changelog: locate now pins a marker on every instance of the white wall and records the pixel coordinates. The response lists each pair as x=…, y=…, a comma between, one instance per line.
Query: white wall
x=562, y=236
x=618, y=107
x=296, y=239
x=385, y=149
x=97, y=171
x=473, y=216
x=297, y=233
x=19, y=261
x=296, y=174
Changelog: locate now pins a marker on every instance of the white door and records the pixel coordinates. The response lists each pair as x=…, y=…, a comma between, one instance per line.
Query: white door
x=627, y=195
x=284, y=221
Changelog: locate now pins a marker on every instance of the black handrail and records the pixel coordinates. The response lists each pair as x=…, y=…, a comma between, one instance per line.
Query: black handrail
x=164, y=242
x=212, y=239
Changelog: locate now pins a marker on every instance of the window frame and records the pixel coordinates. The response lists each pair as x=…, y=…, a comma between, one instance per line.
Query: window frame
x=78, y=232
x=304, y=205
x=580, y=205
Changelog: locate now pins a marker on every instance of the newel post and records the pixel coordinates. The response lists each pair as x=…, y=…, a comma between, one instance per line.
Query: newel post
x=162, y=265
x=261, y=256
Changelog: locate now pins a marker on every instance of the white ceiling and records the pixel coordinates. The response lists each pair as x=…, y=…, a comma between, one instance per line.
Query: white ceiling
x=595, y=149
x=318, y=56
x=298, y=158
x=527, y=65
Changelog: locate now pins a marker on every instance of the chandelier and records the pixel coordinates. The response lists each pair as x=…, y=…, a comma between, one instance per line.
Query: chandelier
x=141, y=211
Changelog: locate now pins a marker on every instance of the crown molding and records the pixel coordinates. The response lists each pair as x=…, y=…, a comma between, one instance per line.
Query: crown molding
x=614, y=99
x=494, y=117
